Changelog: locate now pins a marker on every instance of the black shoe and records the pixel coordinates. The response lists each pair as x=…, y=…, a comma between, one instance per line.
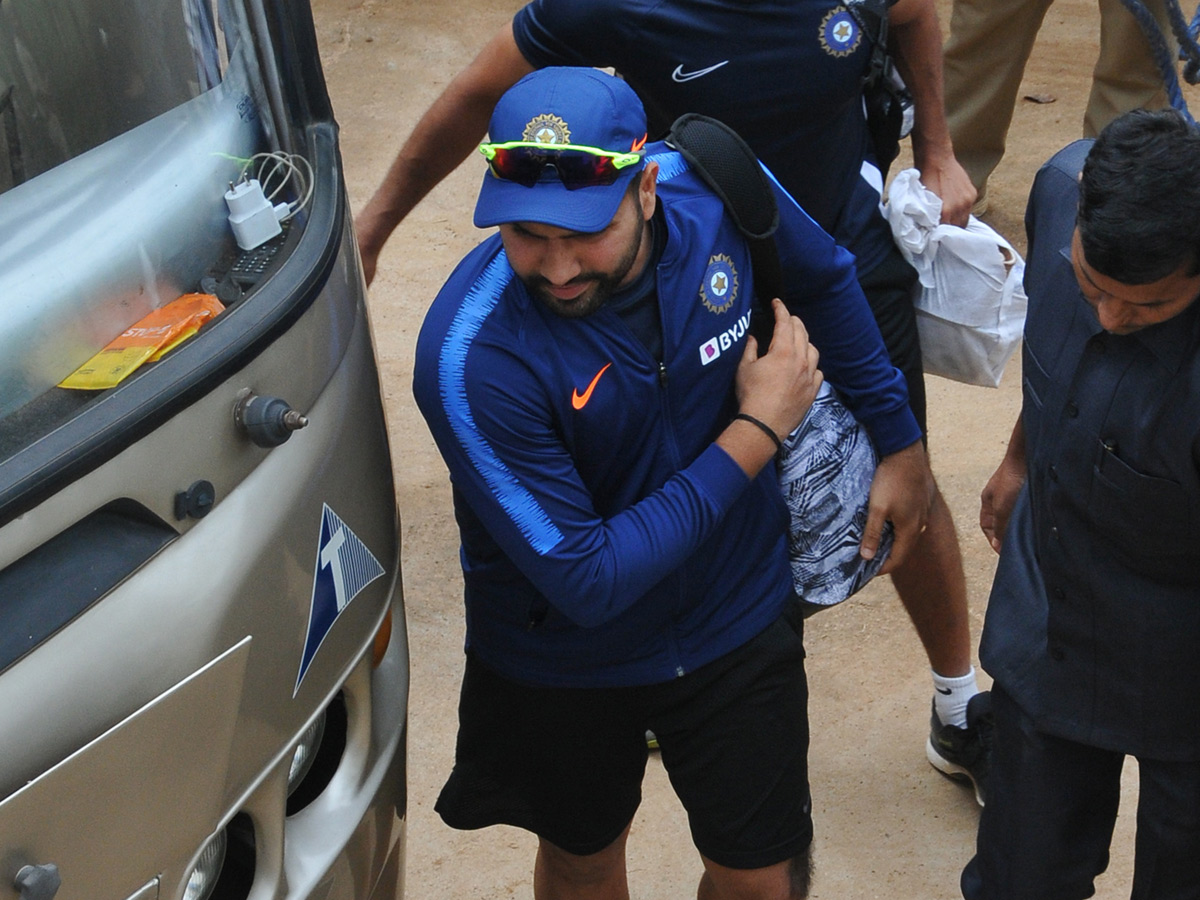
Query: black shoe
x=964, y=754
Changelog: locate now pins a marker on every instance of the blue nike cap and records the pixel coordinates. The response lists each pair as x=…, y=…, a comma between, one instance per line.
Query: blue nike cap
x=566, y=106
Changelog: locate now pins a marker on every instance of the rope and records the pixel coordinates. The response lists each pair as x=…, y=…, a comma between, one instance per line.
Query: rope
x=1188, y=49
x=1186, y=35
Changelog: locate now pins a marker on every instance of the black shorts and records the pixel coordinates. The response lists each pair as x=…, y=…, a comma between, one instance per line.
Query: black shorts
x=889, y=290
x=567, y=763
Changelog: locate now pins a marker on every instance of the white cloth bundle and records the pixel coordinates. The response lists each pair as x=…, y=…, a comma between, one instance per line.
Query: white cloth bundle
x=971, y=300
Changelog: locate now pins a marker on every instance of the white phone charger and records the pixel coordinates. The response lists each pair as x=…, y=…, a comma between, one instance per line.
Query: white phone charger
x=251, y=216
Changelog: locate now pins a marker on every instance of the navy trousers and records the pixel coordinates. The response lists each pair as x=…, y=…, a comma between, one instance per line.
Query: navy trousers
x=1051, y=808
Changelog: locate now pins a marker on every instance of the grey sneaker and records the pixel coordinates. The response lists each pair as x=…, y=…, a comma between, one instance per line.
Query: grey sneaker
x=964, y=754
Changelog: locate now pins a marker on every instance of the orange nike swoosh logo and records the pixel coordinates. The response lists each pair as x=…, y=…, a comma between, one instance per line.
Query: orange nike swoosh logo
x=579, y=401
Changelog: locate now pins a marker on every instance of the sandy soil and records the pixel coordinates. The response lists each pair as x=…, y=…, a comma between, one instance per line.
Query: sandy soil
x=887, y=824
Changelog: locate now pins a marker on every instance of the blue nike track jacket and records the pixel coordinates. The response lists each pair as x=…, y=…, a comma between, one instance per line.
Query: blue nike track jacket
x=610, y=542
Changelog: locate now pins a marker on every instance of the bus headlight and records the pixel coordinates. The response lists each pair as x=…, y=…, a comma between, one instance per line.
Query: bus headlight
x=306, y=752
x=203, y=879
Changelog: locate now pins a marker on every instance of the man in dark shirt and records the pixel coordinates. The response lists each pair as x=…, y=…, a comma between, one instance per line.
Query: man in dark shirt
x=787, y=75
x=1094, y=619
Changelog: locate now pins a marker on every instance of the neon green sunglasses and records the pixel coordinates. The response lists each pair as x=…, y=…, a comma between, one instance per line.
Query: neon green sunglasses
x=577, y=166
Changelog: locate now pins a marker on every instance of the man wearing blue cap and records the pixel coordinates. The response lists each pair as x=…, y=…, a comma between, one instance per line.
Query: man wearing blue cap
x=788, y=76
x=609, y=426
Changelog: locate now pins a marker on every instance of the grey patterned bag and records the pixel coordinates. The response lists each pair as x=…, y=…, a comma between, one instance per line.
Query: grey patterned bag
x=825, y=472
x=827, y=464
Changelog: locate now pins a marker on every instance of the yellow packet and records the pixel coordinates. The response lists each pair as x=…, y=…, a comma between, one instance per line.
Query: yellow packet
x=146, y=340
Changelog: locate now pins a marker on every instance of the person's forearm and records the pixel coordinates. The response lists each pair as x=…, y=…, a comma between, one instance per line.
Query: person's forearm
x=855, y=362
x=825, y=293
x=414, y=173
x=749, y=445
x=916, y=44
x=774, y=391
x=442, y=139
x=1015, y=454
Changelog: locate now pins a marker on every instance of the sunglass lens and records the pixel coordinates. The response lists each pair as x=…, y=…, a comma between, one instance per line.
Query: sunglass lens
x=518, y=164
x=580, y=170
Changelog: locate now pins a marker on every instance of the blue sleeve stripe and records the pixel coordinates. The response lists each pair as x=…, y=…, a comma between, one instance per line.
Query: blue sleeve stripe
x=670, y=165
x=525, y=512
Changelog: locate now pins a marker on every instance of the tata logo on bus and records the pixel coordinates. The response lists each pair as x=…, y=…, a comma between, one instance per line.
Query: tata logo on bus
x=344, y=567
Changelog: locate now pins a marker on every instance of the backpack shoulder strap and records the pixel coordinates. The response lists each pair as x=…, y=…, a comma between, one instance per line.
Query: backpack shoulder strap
x=720, y=156
x=872, y=17
x=725, y=162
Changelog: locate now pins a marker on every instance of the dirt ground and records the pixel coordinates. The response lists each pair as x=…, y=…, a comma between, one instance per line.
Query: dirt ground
x=887, y=824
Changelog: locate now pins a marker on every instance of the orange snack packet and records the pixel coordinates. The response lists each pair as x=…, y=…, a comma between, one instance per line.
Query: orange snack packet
x=145, y=341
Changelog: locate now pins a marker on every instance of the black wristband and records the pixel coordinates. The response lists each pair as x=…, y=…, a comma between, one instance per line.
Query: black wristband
x=765, y=428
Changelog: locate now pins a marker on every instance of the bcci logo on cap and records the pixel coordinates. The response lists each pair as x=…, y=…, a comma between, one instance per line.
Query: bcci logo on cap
x=720, y=286
x=547, y=129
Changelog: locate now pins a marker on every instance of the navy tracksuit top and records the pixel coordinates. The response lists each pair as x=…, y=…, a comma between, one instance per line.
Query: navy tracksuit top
x=605, y=539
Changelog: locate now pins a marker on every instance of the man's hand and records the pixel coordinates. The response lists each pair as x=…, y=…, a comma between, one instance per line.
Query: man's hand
x=901, y=493
x=1000, y=493
x=997, y=500
x=779, y=387
x=944, y=176
x=776, y=389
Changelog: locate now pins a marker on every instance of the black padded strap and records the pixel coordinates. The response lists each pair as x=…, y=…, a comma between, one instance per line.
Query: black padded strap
x=727, y=164
x=720, y=156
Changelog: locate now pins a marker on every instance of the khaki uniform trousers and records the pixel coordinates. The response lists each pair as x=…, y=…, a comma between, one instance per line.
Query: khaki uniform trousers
x=985, y=55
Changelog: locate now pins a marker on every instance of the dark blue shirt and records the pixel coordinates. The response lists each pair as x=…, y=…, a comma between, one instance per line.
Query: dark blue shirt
x=785, y=74
x=1094, y=620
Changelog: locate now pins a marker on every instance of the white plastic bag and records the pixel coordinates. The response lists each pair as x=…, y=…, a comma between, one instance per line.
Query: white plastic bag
x=971, y=300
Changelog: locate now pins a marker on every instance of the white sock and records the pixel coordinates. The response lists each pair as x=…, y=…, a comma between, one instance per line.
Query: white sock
x=951, y=695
